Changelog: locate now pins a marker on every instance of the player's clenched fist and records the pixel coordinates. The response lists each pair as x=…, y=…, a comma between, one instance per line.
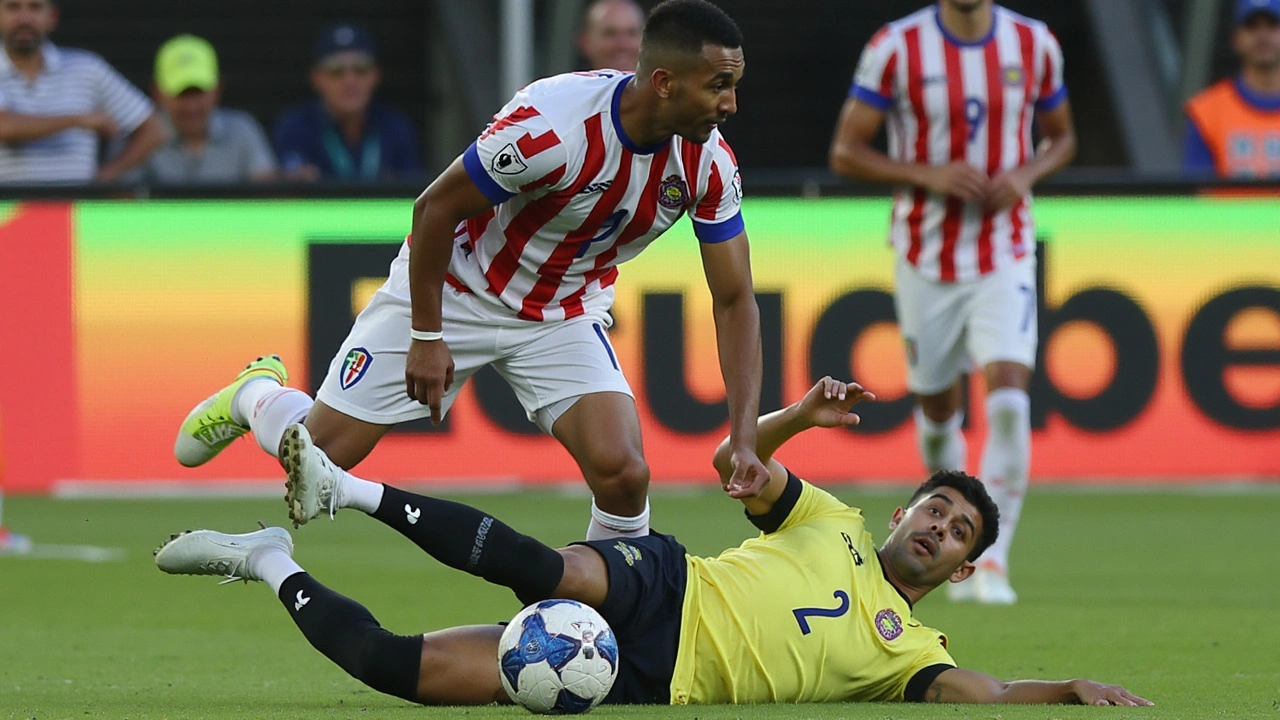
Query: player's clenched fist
x=428, y=374
x=958, y=179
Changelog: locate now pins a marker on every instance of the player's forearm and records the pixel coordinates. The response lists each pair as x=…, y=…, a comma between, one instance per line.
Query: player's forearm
x=860, y=161
x=1053, y=154
x=142, y=142
x=19, y=128
x=1038, y=692
x=430, y=248
x=738, y=340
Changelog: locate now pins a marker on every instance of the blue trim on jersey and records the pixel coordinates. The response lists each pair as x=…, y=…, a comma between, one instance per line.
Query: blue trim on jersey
x=1197, y=158
x=475, y=170
x=607, y=348
x=937, y=17
x=614, y=113
x=1254, y=99
x=870, y=97
x=1051, y=103
x=712, y=233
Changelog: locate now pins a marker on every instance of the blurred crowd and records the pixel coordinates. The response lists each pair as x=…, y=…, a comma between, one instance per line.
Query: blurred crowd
x=67, y=116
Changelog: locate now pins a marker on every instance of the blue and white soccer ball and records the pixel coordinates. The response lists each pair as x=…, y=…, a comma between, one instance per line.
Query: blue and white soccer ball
x=558, y=656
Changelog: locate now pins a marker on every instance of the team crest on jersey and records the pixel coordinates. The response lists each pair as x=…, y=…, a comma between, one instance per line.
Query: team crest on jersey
x=508, y=161
x=1013, y=76
x=888, y=624
x=354, y=367
x=737, y=188
x=673, y=192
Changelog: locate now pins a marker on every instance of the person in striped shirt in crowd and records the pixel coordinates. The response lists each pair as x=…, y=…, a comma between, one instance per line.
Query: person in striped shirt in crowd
x=959, y=83
x=511, y=262
x=56, y=103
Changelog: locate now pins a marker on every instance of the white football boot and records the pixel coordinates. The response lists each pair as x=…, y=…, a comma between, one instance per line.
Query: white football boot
x=209, y=552
x=965, y=591
x=315, y=483
x=992, y=585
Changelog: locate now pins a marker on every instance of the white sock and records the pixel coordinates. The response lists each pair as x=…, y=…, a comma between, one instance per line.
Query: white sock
x=272, y=566
x=272, y=412
x=359, y=494
x=1006, y=462
x=249, y=395
x=942, y=444
x=605, y=526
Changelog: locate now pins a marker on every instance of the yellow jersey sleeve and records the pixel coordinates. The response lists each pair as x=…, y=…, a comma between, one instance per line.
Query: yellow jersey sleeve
x=800, y=502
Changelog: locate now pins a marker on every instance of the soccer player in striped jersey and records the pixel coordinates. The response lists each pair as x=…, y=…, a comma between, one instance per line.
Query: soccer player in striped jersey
x=808, y=611
x=959, y=83
x=511, y=262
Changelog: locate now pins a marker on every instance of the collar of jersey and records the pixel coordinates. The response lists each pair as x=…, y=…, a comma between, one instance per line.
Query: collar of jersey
x=937, y=17
x=1258, y=101
x=614, y=113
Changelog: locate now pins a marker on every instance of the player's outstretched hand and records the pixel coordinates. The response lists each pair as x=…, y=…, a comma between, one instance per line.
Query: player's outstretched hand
x=1092, y=693
x=827, y=404
x=749, y=475
x=428, y=373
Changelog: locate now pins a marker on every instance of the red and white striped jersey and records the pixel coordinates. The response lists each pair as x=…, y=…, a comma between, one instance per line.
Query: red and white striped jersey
x=574, y=196
x=947, y=100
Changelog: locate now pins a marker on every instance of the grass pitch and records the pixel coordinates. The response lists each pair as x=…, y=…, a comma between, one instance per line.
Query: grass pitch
x=1174, y=594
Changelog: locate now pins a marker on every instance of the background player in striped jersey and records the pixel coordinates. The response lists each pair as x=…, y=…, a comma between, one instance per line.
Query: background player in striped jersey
x=511, y=262
x=959, y=83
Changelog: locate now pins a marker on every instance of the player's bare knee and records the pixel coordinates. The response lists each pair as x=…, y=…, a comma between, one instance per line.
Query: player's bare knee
x=621, y=484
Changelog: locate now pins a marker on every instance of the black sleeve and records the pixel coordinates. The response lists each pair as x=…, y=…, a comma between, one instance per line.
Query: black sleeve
x=772, y=520
x=921, y=681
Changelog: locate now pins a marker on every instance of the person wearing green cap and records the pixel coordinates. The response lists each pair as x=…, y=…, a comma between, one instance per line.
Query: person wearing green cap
x=207, y=144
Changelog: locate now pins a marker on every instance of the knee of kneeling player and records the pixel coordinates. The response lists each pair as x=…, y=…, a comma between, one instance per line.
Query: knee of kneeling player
x=621, y=485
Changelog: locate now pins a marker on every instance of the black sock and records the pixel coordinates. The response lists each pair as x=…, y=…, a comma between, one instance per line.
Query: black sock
x=348, y=634
x=464, y=538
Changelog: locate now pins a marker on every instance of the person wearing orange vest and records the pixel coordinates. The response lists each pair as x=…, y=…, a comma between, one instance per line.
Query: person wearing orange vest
x=1234, y=126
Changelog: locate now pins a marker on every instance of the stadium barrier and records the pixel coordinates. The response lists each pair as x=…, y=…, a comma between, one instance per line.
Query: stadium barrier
x=1159, y=317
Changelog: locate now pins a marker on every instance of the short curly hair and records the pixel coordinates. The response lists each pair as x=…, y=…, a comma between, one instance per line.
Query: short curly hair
x=972, y=489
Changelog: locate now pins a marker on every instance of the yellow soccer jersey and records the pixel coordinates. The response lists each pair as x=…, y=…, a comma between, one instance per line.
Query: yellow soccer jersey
x=801, y=614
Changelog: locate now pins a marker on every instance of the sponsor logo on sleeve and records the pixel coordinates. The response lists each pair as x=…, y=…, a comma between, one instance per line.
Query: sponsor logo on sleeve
x=508, y=161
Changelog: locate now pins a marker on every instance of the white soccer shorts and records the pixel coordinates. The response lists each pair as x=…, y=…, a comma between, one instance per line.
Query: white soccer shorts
x=948, y=328
x=545, y=363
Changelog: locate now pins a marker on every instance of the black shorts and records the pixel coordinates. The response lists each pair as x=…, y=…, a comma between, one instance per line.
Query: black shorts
x=646, y=599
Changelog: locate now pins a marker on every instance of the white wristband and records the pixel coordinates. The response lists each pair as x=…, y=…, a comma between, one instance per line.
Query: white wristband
x=426, y=335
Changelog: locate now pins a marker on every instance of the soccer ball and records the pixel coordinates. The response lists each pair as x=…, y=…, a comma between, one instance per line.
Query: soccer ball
x=558, y=656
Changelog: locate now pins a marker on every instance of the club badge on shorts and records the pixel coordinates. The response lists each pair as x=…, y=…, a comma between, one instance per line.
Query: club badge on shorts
x=354, y=367
x=673, y=192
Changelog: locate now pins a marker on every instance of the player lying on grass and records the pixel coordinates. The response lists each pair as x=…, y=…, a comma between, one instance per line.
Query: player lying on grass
x=809, y=611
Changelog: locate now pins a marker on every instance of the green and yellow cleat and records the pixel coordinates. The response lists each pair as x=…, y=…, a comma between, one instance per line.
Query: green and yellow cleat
x=209, y=427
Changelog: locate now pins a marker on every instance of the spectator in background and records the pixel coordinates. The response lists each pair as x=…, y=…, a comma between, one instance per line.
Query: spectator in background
x=207, y=144
x=1233, y=128
x=610, y=36
x=55, y=103
x=345, y=135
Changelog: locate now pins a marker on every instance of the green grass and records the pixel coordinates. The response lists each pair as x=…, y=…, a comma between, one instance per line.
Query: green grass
x=1173, y=594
